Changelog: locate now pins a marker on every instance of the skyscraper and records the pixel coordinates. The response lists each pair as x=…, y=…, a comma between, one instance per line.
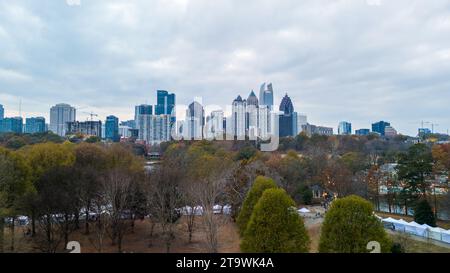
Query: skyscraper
x=286, y=120
x=112, y=129
x=251, y=112
x=11, y=125
x=165, y=103
x=195, y=120
x=143, y=109
x=35, y=125
x=266, y=95
x=2, y=112
x=345, y=128
x=238, y=123
x=60, y=115
x=154, y=129
x=302, y=120
x=215, y=125
x=379, y=127
x=140, y=118
x=264, y=116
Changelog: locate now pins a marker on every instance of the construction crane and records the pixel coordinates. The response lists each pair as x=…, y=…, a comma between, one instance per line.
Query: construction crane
x=91, y=114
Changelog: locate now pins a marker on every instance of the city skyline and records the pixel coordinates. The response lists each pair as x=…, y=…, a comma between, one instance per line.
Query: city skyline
x=285, y=106
x=390, y=65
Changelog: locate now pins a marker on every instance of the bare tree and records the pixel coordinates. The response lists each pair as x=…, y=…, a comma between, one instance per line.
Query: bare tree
x=101, y=225
x=163, y=189
x=217, y=173
x=190, y=202
x=116, y=189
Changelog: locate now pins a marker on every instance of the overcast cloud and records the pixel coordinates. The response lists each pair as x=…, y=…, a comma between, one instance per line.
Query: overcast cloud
x=355, y=60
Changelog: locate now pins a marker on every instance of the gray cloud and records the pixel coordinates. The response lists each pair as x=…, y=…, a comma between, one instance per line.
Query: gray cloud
x=338, y=60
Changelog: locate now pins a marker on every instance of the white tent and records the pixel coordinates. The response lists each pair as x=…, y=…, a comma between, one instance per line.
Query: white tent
x=227, y=209
x=217, y=209
x=304, y=210
x=446, y=236
x=198, y=210
x=400, y=225
x=416, y=229
x=186, y=210
x=389, y=220
x=434, y=232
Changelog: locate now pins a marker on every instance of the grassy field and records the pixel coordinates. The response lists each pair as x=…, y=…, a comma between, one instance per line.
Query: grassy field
x=412, y=245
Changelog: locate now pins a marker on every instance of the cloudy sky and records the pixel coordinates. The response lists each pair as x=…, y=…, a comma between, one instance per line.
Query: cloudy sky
x=355, y=60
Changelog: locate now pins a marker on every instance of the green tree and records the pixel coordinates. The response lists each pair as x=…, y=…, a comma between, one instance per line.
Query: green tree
x=42, y=158
x=350, y=225
x=306, y=195
x=423, y=213
x=414, y=166
x=14, y=184
x=246, y=153
x=275, y=226
x=90, y=165
x=260, y=184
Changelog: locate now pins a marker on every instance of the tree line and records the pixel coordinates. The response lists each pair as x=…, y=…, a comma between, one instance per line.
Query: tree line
x=103, y=189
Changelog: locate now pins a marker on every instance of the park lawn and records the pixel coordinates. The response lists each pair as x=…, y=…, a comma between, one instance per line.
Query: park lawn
x=415, y=246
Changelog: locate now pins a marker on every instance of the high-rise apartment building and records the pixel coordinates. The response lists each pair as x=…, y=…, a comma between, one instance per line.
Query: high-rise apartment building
x=60, y=115
x=112, y=129
x=194, y=123
x=2, y=112
x=11, y=125
x=345, y=128
x=35, y=125
x=379, y=127
x=215, y=125
x=154, y=129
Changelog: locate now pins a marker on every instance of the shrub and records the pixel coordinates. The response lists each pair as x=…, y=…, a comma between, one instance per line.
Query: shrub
x=275, y=226
x=350, y=225
x=423, y=214
x=260, y=184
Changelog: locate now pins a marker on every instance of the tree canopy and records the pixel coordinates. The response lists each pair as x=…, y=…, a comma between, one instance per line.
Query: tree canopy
x=260, y=184
x=350, y=225
x=275, y=226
